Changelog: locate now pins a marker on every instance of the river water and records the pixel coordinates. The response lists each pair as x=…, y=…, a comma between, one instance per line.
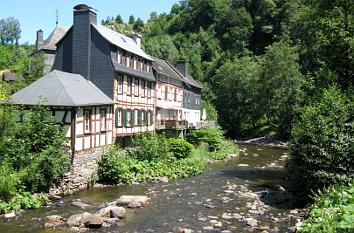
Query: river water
x=228, y=194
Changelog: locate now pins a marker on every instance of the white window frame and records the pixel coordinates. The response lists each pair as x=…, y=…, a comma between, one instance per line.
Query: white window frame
x=136, y=86
x=103, y=119
x=120, y=84
x=87, y=121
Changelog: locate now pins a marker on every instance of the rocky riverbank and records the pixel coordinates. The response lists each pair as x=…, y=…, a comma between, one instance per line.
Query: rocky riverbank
x=272, y=142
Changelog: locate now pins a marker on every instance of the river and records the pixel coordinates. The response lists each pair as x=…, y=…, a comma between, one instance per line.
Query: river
x=229, y=197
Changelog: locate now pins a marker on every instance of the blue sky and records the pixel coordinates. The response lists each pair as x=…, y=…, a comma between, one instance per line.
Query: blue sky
x=41, y=14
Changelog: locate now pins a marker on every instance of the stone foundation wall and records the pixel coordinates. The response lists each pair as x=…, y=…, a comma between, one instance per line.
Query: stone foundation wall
x=83, y=168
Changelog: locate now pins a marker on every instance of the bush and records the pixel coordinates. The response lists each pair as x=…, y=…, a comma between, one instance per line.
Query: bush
x=225, y=149
x=213, y=137
x=332, y=211
x=9, y=182
x=179, y=148
x=46, y=168
x=322, y=144
x=117, y=167
x=24, y=200
x=150, y=147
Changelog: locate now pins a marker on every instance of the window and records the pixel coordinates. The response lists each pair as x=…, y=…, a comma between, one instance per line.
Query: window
x=136, y=86
x=87, y=116
x=136, y=122
x=128, y=60
x=129, y=85
x=135, y=63
x=129, y=118
x=103, y=122
x=120, y=84
x=119, y=57
x=149, y=87
x=166, y=93
x=131, y=65
x=141, y=65
x=142, y=117
x=118, y=118
x=189, y=98
x=175, y=94
x=143, y=88
x=122, y=61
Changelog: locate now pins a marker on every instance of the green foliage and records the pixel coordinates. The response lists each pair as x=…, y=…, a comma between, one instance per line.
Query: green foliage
x=24, y=200
x=213, y=137
x=32, y=157
x=225, y=149
x=116, y=166
x=179, y=148
x=322, y=143
x=10, y=31
x=332, y=211
x=150, y=147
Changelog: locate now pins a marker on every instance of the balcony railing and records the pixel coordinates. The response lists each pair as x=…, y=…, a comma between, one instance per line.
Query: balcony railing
x=170, y=124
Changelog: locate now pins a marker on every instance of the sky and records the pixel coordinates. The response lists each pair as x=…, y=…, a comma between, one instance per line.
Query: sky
x=41, y=14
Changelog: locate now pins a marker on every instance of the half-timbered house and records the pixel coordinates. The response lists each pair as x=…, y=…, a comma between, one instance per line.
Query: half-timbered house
x=116, y=64
x=85, y=112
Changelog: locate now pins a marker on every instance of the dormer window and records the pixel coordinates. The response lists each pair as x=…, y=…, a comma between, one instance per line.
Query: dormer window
x=128, y=60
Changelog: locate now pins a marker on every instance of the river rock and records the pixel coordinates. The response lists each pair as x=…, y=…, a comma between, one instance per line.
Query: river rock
x=94, y=221
x=132, y=201
x=80, y=204
x=184, y=230
x=163, y=179
x=10, y=215
x=251, y=222
x=117, y=212
x=226, y=216
x=242, y=165
x=78, y=220
x=54, y=221
x=112, y=211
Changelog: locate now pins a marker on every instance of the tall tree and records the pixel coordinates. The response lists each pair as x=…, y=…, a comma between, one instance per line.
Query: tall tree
x=10, y=31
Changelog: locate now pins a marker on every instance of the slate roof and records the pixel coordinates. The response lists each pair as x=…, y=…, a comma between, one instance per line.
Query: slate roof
x=61, y=89
x=121, y=41
x=164, y=67
x=54, y=37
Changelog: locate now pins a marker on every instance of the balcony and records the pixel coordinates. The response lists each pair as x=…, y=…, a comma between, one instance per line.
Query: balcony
x=170, y=124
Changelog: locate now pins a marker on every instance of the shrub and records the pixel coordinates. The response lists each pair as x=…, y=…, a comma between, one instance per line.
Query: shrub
x=332, y=211
x=114, y=166
x=46, y=168
x=150, y=147
x=213, y=137
x=24, y=200
x=322, y=144
x=225, y=149
x=9, y=182
x=179, y=148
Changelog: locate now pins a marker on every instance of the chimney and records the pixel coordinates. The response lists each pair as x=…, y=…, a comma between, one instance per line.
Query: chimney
x=182, y=67
x=137, y=38
x=39, y=40
x=84, y=16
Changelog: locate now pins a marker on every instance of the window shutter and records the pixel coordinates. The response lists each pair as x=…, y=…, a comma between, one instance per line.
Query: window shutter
x=146, y=118
x=124, y=117
x=116, y=117
x=139, y=117
x=133, y=118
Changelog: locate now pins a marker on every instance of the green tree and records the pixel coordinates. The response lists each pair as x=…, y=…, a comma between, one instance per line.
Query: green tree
x=161, y=47
x=322, y=143
x=281, y=87
x=10, y=31
x=131, y=20
x=119, y=19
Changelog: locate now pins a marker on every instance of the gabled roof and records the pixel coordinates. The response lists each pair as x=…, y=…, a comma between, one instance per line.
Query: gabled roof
x=57, y=34
x=61, y=89
x=121, y=41
x=164, y=67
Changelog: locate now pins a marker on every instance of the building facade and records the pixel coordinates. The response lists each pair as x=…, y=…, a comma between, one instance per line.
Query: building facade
x=146, y=93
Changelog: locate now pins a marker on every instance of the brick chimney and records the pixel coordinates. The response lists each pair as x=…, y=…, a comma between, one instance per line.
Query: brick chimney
x=84, y=16
x=182, y=67
x=39, y=40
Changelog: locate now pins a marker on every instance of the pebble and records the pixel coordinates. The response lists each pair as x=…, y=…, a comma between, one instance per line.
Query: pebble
x=242, y=165
x=213, y=217
x=208, y=228
x=10, y=215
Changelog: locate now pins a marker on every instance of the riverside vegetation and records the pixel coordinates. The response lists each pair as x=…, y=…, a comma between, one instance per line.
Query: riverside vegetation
x=32, y=158
x=155, y=156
